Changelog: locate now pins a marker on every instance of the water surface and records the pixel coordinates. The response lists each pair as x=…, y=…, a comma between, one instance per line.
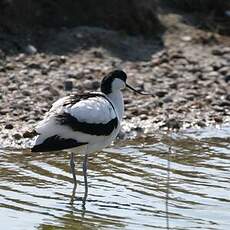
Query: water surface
x=132, y=185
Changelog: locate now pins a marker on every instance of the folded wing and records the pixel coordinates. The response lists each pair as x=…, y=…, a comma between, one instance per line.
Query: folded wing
x=75, y=120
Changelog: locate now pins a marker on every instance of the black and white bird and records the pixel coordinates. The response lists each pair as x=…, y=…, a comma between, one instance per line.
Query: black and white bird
x=84, y=123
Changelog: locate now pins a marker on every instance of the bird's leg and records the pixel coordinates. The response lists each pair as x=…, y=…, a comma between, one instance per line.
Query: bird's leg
x=72, y=166
x=85, y=165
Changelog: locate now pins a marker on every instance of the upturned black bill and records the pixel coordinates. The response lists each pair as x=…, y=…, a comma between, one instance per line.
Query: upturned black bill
x=139, y=92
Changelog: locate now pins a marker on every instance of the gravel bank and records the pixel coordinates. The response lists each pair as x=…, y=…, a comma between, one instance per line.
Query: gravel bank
x=190, y=79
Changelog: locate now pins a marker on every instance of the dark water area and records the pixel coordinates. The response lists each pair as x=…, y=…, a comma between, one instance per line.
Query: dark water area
x=169, y=181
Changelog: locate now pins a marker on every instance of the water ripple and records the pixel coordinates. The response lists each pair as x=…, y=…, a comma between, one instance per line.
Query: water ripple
x=127, y=186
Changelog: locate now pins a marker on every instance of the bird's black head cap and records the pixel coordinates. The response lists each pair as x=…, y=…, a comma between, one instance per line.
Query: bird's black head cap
x=106, y=84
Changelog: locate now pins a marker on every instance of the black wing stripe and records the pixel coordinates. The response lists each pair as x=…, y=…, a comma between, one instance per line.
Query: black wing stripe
x=74, y=98
x=99, y=129
x=55, y=143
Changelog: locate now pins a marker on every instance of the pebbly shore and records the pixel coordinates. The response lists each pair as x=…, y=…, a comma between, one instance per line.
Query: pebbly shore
x=190, y=79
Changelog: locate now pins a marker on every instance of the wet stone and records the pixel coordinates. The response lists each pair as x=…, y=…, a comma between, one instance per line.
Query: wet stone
x=13, y=87
x=30, y=49
x=201, y=124
x=224, y=70
x=97, y=54
x=213, y=74
x=88, y=84
x=173, y=85
x=17, y=136
x=148, y=87
x=26, y=93
x=167, y=99
x=161, y=93
x=173, y=123
x=54, y=64
x=9, y=126
x=218, y=109
x=95, y=84
x=34, y=65
x=4, y=111
x=226, y=50
x=44, y=69
x=137, y=129
x=174, y=74
x=227, y=78
x=68, y=85
x=75, y=74
x=207, y=69
x=63, y=59
x=224, y=104
x=217, y=52
x=143, y=117
x=29, y=134
x=9, y=66
x=218, y=119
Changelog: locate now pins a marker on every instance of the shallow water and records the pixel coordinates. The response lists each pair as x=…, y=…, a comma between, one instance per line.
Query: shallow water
x=132, y=185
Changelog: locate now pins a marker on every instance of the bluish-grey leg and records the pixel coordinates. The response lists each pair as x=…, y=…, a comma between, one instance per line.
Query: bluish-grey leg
x=85, y=165
x=72, y=166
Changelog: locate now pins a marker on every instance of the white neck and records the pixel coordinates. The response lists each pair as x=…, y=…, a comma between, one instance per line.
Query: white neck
x=116, y=98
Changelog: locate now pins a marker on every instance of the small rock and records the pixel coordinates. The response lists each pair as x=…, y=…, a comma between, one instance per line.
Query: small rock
x=161, y=93
x=216, y=52
x=137, y=129
x=174, y=74
x=75, y=74
x=207, y=69
x=9, y=66
x=121, y=135
x=176, y=55
x=227, y=78
x=98, y=54
x=44, y=68
x=26, y=93
x=17, y=136
x=167, y=99
x=224, y=103
x=54, y=91
x=224, y=70
x=148, y=87
x=186, y=38
x=143, y=117
x=220, y=51
x=30, y=49
x=29, y=134
x=201, y=124
x=173, y=123
x=218, y=109
x=54, y=63
x=63, y=59
x=88, y=84
x=20, y=57
x=9, y=126
x=13, y=87
x=226, y=50
x=173, y=85
x=95, y=84
x=213, y=74
x=227, y=13
x=4, y=111
x=218, y=119
x=68, y=85
x=34, y=65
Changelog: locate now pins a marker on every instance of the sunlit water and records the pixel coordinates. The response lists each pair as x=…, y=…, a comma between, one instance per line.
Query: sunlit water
x=128, y=186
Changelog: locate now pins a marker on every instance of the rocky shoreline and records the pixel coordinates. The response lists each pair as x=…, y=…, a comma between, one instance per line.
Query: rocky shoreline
x=190, y=80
